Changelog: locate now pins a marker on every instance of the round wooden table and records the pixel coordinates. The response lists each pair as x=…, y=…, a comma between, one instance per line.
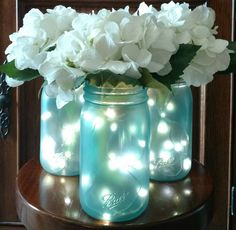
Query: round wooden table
x=47, y=202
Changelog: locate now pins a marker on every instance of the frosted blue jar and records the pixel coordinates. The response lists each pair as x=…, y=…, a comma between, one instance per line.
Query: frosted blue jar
x=171, y=137
x=114, y=153
x=59, y=135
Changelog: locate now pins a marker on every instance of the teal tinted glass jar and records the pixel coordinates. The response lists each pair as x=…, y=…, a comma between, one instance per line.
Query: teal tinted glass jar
x=114, y=162
x=59, y=135
x=171, y=138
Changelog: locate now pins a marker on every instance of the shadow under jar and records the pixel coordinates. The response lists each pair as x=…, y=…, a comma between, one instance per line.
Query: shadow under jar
x=114, y=153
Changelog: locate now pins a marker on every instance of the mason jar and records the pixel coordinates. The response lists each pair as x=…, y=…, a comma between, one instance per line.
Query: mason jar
x=171, y=136
x=114, y=152
x=59, y=135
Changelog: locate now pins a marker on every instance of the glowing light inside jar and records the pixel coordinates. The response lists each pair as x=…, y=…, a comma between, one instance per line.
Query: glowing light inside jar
x=106, y=216
x=114, y=127
x=110, y=113
x=178, y=147
x=170, y=106
x=163, y=128
x=165, y=156
x=85, y=180
x=81, y=98
x=151, y=102
x=187, y=164
x=45, y=116
x=142, y=143
x=133, y=129
x=105, y=192
x=88, y=116
x=124, y=163
x=168, y=145
x=163, y=115
x=142, y=192
x=98, y=123
x=68, y=133
x=68, y=154
x=187, y=192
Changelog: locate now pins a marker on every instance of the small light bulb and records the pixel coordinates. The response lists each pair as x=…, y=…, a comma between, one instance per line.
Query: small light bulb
x=110, y=113
x=45, y=116
x=170, y=106
x=151, y=102
x=178, y=147
x=162, y=128
x=106, y=216
x=163, y=115
x=142, y=143
x=142, y=192
x=114, y=127
x=68, y=154
x=85, y=180
x=187, y=164
x=168, y=145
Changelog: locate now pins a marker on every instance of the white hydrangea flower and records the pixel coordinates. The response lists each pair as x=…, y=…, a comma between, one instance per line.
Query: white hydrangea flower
x=173, y=14
x=64, y=45
x=137, y=57
x=39, y=32
x=12, y=82
x=145, y=9
x=64, y=17
x=207, y=62
x=134, y=24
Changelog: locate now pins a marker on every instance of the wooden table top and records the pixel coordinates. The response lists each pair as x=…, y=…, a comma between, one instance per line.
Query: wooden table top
x=48, y=202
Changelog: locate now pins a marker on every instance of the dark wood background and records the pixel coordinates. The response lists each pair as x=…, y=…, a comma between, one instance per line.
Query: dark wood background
x=213, y=126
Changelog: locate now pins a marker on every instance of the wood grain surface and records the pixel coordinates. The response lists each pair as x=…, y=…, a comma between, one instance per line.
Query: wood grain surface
x=41, y=203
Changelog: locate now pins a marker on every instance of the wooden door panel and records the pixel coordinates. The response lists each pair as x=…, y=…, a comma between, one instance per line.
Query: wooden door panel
x=9, y=227
x=218, y=125
x=8, y=147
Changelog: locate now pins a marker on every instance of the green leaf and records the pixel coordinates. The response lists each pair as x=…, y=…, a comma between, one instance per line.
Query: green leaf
x=21, y=75
x=147, y=80
x=179, y=62
x=107, y=78
x=232, y=66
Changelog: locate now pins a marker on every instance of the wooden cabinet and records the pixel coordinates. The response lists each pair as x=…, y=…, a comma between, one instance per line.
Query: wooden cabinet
x=214, y=111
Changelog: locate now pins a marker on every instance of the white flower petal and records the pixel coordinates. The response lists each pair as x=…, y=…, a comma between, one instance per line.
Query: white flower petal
x=218, y=46
x=12, y=82
x=63, y=98
x=166, y=40
x=133, y=71
x=90, y=60
x=51, y=90
x=131, y=30
x=194, y=75
x=118, y=67
x=144, y=57
x=130, y=52
x=106, y=47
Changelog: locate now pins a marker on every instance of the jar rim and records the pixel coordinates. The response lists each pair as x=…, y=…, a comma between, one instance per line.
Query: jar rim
x=113, y=91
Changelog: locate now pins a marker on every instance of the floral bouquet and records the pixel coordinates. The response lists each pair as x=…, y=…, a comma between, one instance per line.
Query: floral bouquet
x=149, y=47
